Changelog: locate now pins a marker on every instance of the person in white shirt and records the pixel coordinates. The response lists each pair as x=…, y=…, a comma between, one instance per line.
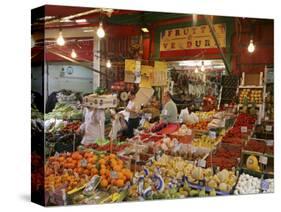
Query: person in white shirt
x=93, y=126
x=134, y=119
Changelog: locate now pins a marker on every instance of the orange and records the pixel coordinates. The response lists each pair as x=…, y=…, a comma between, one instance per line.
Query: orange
x=112, y=156
x=86, y=172
x=90, y=160
x=103, y=172
x=117, y=168
x=104, y=183
x=94, y=171
x=102, y=161
x=120, y=183
x=102, y=166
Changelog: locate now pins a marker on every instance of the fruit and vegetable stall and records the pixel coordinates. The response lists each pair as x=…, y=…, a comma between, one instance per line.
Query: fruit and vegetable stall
x=163, y=162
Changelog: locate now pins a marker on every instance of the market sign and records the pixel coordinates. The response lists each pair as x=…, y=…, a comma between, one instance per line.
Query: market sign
x=188, y=38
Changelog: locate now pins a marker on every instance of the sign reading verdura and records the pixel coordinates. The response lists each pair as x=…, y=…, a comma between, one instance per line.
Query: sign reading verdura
x=196, y=37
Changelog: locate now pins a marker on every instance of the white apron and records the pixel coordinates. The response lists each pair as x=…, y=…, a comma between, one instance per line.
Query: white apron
x=93, y=126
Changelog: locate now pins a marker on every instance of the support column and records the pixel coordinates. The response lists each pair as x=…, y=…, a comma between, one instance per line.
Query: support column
x=97, y=62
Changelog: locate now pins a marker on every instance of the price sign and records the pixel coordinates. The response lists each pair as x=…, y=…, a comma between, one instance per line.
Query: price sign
x=83, y=162
x=264, y=185
x=113, y=175
x=269, y=142
x=212, y=134
x=268, y=128
x=202, y=163
x=244, y=129
x=263, y=160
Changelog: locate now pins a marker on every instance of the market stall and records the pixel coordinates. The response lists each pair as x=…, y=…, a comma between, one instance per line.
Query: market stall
x=162, y=120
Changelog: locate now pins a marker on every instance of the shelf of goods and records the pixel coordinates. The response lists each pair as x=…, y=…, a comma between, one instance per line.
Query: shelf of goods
x=164, y=162
x=229, y=86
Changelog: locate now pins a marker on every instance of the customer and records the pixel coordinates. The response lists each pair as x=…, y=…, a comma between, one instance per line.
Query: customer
x=93, y=126
x=134, y=120
x=170, y=112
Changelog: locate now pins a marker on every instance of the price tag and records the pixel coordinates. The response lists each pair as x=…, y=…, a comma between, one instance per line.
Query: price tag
x=264, y=185
x=202, y=163
x=263, y=160
x=83, y=162
x=269, y=142
x=268, y=128
x=202, y=182
x=113, y=175
x=244, y=129
x=212, y=134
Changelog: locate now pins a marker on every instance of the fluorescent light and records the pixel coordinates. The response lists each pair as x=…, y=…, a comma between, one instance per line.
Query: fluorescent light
x=80, y=20
x=144, y=29
x=88, y=30
x=65, y=20
x=46, y=18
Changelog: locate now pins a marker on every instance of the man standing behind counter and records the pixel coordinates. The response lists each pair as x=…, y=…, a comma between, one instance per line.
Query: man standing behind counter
x=170, y=112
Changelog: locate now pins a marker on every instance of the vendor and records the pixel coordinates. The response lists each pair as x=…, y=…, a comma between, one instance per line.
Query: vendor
x=93, y=126
x=153, y=107
x=134, y=120
x=169, y=113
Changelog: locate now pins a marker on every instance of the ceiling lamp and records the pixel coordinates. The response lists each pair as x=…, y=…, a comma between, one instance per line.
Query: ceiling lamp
x=144, y=29
x=100, y=31
x=196, y=70
x=60, y=39
x=73, y=54
x=108, y=64
x=251, y=47
x=202, y=67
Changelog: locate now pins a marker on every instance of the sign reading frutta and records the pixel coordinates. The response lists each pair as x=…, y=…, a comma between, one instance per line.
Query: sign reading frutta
x=197, y=37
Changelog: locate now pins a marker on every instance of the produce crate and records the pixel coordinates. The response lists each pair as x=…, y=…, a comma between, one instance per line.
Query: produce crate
x=265, y=168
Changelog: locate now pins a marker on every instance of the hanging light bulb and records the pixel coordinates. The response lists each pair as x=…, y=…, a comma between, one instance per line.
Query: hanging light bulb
x=60, y=39
x=108, y=64
x=73, y=54
x=100, y=31
x=202, y=67
x=196, y=70
x=251, y=47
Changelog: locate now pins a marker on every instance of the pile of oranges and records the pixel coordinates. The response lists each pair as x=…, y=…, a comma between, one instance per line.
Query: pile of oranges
x=112, y=171
x=75, y=169
x=202, y=125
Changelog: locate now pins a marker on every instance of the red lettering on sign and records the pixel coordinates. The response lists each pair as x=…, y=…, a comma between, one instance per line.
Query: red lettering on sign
x=222, y=28
x=170, y=33
x=177, y=32
x=194, y=30
x=189, y=44
x=173, y=45
x=198, y=43
x=207, y=43
x=203, y=28
x=165, y=45
x=185, y=31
